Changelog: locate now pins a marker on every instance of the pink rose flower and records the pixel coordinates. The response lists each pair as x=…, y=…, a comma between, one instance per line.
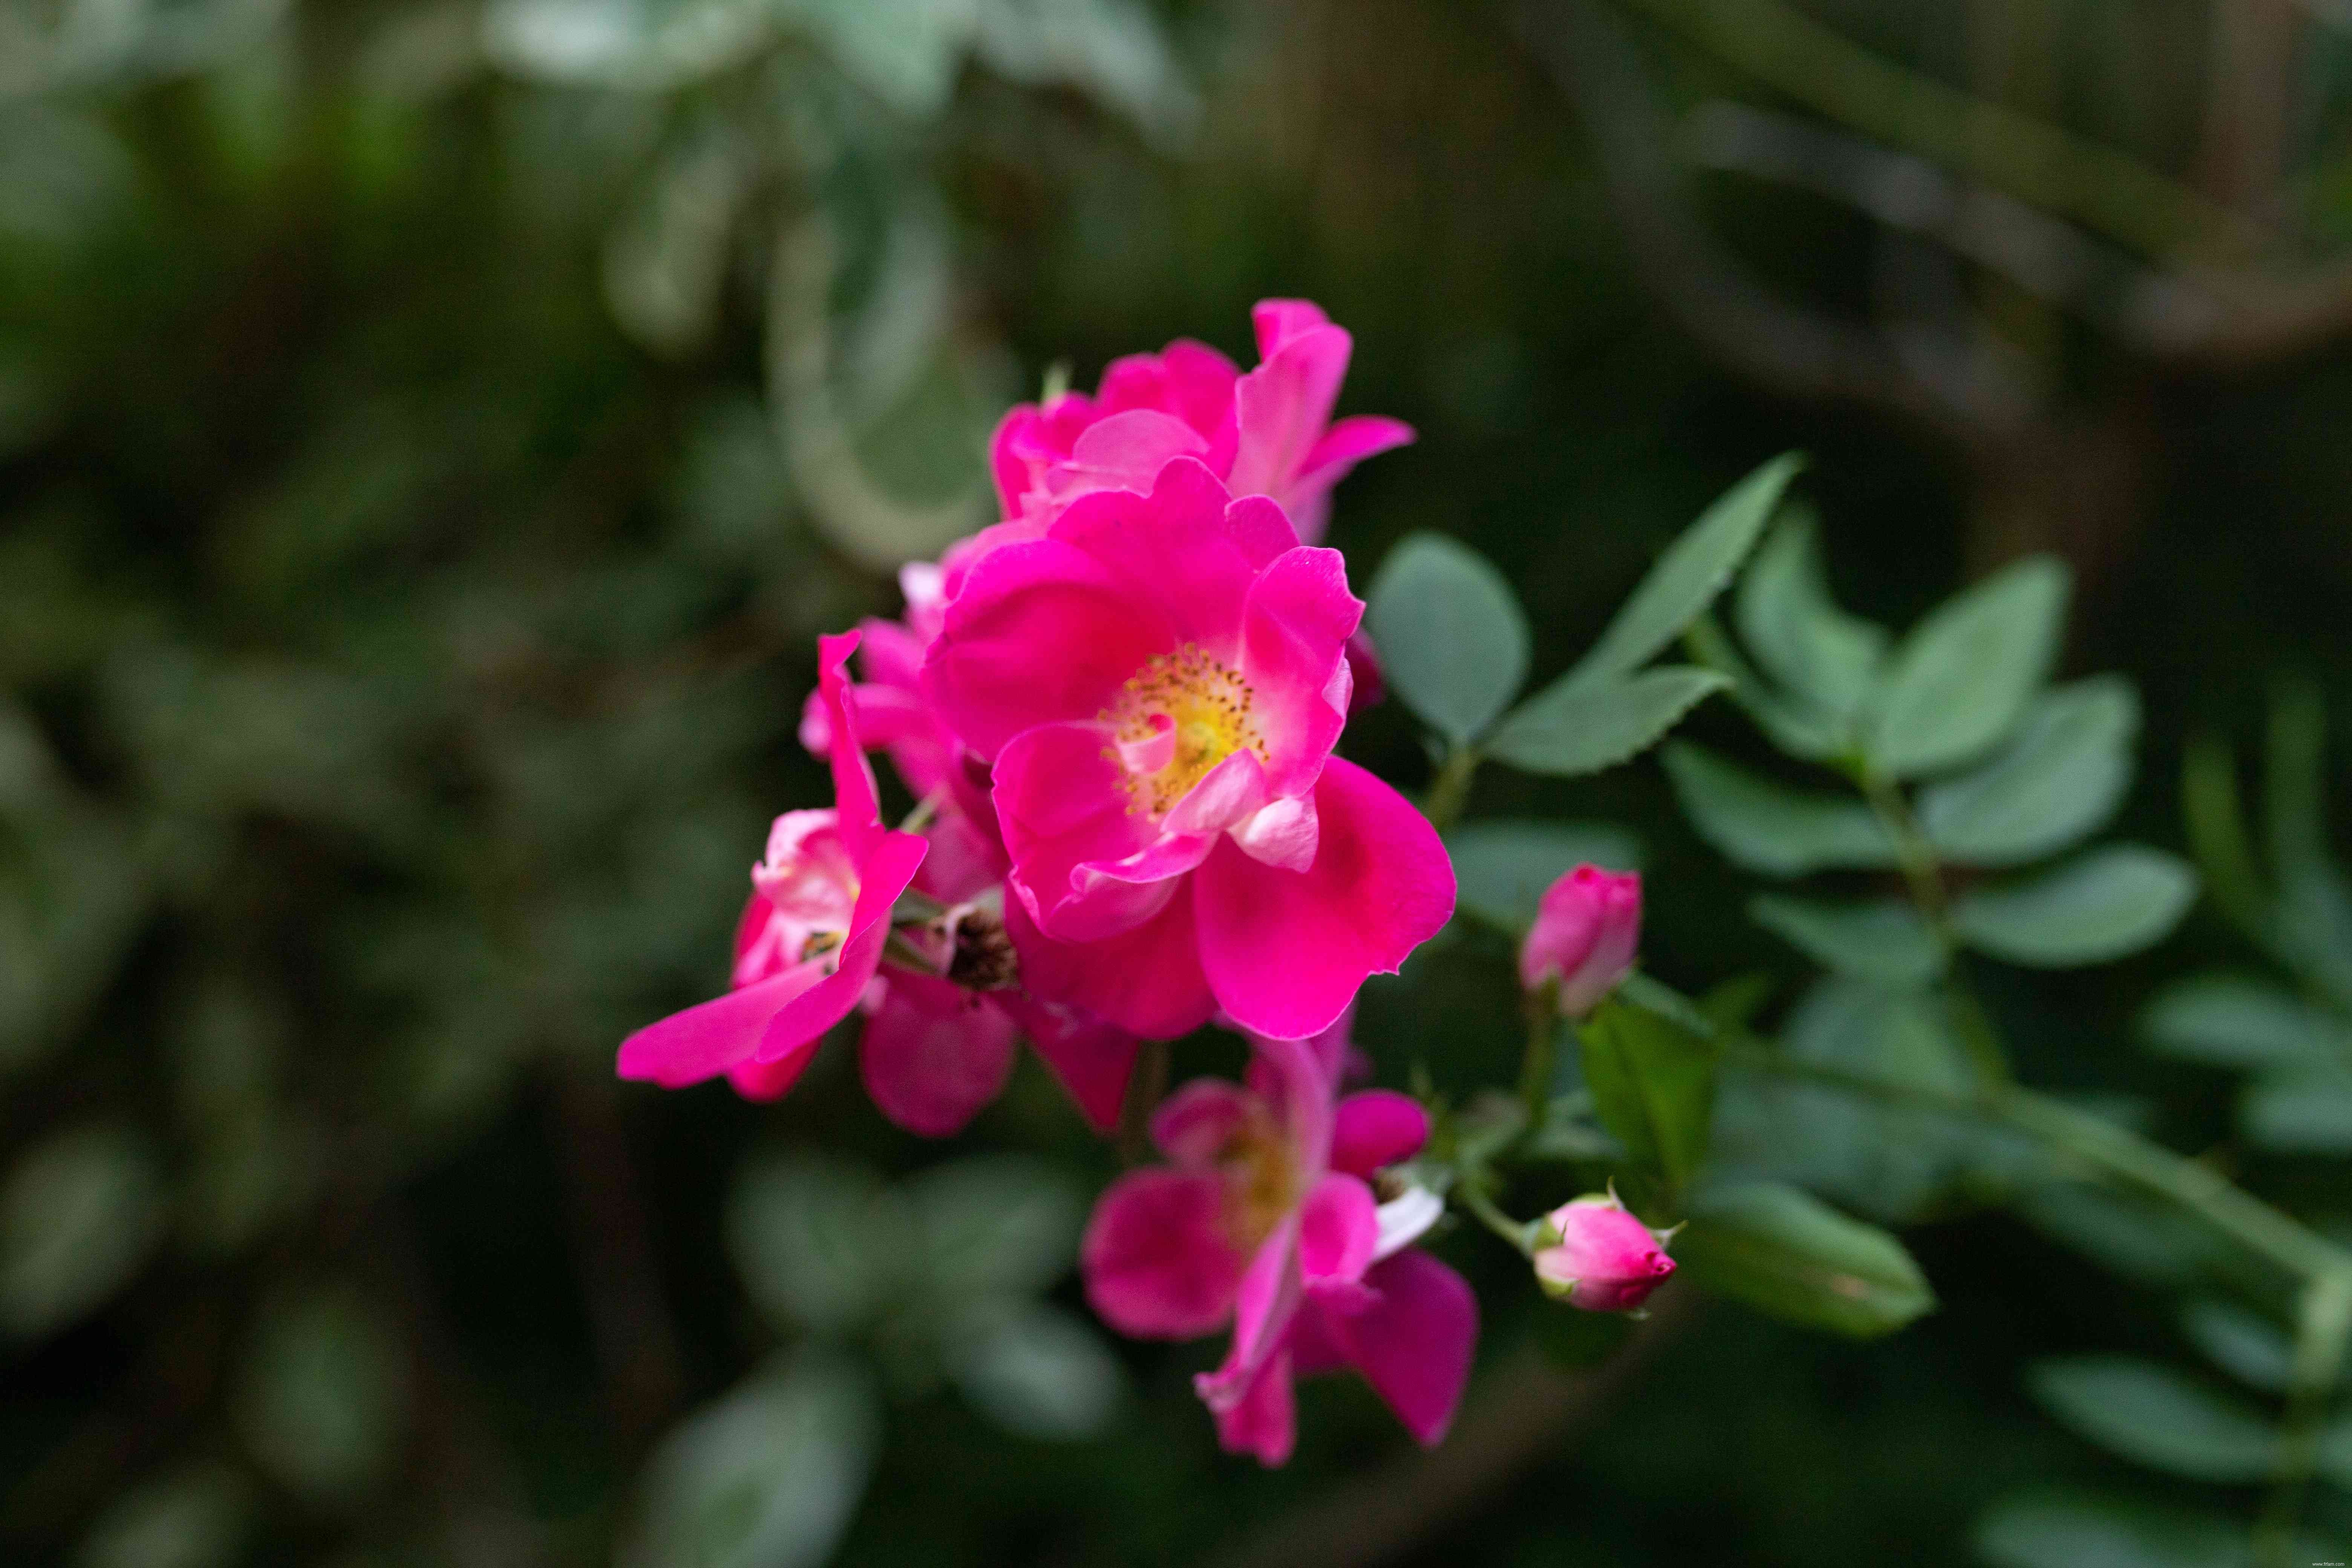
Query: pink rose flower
x=1265, y=1218
x=1605, y=1259
x=937, y=1045
x=1157, y=684
x=829, y=881
x=1267, y=433
x=1586, y=931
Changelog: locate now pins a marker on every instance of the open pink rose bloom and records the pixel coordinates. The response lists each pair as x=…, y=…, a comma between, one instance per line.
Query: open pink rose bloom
x=1116, y=710
x=1266, y=1219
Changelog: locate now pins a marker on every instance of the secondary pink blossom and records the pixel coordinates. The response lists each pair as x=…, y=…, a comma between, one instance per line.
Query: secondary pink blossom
x=1269, y=432
x=1586, y=932
x=933, y=1051
x=1157, y=684
x=1605, y=1259
x=1265, y=1218
x=809, y=949
x=829, y=880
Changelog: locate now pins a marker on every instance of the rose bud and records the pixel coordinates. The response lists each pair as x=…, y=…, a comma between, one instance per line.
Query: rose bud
x=1599, y=1257
x=1586, y=931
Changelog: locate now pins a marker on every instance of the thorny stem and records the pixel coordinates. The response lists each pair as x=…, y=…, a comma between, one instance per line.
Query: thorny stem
x=1450, y=791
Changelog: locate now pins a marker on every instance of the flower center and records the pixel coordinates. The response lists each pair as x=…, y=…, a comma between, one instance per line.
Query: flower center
x=1176, y=719
x=1262, y=1180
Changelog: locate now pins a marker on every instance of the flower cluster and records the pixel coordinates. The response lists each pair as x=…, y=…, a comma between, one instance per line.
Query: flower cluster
x=1117, y=708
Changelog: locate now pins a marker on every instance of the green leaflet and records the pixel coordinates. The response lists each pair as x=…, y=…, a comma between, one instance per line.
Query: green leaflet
x=1453, y=642
x=2156, y=1416
x=1576, y=727
x=1767, y=827
x=1789, y=1255
x=2059, y=779
x=1962, y=677
x=2101, y=905
x=1653, y=1082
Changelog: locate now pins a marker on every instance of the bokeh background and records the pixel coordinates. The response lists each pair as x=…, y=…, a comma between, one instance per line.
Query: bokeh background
x=432, y=433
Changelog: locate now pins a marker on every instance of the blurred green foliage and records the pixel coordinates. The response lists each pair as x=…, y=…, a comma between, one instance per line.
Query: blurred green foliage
x=431, y=435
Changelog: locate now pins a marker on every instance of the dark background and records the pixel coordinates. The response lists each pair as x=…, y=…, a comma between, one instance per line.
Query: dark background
x=404, y=617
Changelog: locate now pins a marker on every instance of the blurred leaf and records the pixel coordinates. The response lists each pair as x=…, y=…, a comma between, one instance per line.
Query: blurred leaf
x=1894, y=1163
x=191, y=1518
x=2101, y=905
x=2059, y=779
x=1761, y=826
x=2303, y=1111
x=1798, y=633
x=820, y=1245
x=995, y=1224
x=2216, y=825
x=2154, y=1416
x=252, y=1169
x=2228, y=1021
x=2251, y=1349
x=893, y=331
x=1899, y=1035
x=1501, y=869
x=1696, y=567
x=1036, y=1370
x=1453, y=642
x=1111, y=49
x=767, y=1477
x=80, y=1213
x=905, y=52
x=1886, y=942
x=2156, y=1245
x=1962, y=677
x=322, y=1401
x=1791, y=1255
x=1575, y=727
x=666, y=264
x=2050, y=1529
x=2314, y=914
x=621, y=42
x=1653, y=1082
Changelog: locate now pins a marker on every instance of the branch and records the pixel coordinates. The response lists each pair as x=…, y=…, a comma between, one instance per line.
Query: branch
x=1793, y=351
x=636, y=1347
x=2099, y=187
x=1524, y=1411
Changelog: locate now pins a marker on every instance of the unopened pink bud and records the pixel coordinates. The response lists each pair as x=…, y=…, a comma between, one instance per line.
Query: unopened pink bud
x=1606, y=1260
x=1585, y=934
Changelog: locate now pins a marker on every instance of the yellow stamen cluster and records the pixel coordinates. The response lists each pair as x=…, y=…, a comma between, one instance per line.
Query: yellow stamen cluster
x=1208, y=705
x=1262, y=1179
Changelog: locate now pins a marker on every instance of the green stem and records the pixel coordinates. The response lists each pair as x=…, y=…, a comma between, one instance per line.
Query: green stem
x=1923, y=874
x=2114, y=1151
x=1542, y=1005
x=1146, y=1084
x=1519, y=1234
x=2325, y=1320
x=1450, y=791
x=2026, y=157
